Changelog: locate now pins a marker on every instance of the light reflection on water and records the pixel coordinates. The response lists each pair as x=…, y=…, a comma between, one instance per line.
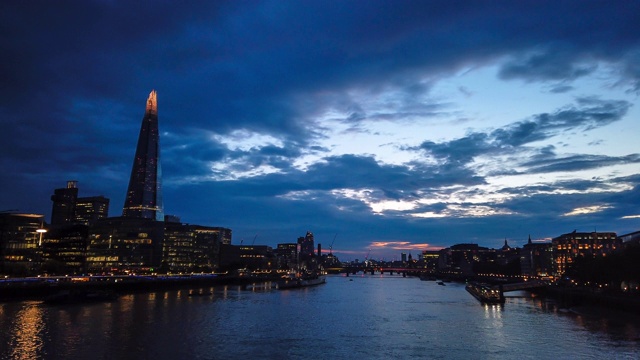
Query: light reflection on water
x=374, y=317
x=26, y=328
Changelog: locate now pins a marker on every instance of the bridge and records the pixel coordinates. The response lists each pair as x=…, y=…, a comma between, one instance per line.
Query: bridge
x=373, y=270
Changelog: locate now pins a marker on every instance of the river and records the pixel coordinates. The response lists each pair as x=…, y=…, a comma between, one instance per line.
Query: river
x=357, y=317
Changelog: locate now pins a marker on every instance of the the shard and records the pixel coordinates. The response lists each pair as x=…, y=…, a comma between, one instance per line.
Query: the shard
x=144, y=196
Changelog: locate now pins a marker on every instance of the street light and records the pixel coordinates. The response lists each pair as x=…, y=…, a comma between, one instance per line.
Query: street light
x=41, y=231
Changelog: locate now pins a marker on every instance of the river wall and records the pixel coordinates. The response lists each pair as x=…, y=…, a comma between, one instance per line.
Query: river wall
x=37, y=289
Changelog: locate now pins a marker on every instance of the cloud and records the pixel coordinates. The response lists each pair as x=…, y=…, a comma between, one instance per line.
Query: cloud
x=559, y=89
x=252, y=95
x=578, y=162
x=548, y=65
x=589, y=114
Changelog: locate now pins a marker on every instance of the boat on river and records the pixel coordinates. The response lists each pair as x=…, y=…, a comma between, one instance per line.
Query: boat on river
x=299, y=280
x=485, y=293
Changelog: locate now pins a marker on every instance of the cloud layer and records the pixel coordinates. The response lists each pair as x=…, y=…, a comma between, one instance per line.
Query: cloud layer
x=386, y=122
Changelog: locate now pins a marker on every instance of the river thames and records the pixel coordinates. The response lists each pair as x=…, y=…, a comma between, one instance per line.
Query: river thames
x=357, y=317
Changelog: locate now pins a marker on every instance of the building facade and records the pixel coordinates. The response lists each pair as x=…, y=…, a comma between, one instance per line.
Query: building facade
x=144, y=194
x=69, y=209
x=119, y=244
x=134, y=241
x=64, y=204
x=536, y=259
x=567, y=247
x=191, y=248
x=89, y=210
x=307, y=247
x=21, y=237
x=64, y=250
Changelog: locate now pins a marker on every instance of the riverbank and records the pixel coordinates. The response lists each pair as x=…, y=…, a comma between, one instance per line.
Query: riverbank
x=17, y=289
x=573, y=297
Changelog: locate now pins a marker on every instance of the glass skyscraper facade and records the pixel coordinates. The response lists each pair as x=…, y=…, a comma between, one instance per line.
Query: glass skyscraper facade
x=144, y=196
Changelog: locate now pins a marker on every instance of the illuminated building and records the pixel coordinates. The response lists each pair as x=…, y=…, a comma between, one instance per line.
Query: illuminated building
x=536, y=259
x=144, y=195
x=191, y=248
x=225, y=234
x=287, y=255
x=133, y=242
x=119, y=243
x=567, y=247
x=88, y=210
x=64, y=250
x=253, y=257
x=69, y=209
x=430, y=259
x=20, y=243
x=307, y=247
x=460, y=258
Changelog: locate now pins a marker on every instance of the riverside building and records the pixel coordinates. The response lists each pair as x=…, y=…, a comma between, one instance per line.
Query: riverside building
x=568, y=247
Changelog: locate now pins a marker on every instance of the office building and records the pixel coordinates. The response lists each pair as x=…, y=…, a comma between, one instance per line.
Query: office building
x=536, y=259
x=144, y=195
x=307, y=247
x=21, y=238
x=88, y=210
x=64, y=202
x=69, y=209
x=567, y=247
x=119, y=244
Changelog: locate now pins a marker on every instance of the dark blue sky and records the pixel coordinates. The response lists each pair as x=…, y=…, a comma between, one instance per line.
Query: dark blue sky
x=397, y=125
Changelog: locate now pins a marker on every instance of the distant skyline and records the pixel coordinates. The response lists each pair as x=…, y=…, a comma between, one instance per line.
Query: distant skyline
x=391, y=126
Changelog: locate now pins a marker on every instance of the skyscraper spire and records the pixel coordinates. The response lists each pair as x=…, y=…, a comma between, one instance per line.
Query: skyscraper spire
x=144, y=195
x=152, y=103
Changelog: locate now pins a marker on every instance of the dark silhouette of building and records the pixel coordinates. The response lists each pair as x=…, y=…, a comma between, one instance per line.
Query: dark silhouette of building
x=460, y=259
x=536, y=259
x=69, y=209
x=144, y=195
x=307, y=247
x=64, y=204
x=252, y=257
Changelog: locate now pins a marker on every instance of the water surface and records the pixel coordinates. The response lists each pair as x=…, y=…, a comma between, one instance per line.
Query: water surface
x=359, y=317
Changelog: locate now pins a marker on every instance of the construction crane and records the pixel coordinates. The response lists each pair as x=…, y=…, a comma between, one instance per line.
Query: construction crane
x=331, y=246
x=254, y=240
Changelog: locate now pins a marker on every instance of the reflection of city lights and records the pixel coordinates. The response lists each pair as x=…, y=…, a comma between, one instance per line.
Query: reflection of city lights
x=26, y=330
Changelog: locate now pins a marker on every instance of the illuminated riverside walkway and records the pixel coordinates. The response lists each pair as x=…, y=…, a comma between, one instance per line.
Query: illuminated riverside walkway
x=38, y=287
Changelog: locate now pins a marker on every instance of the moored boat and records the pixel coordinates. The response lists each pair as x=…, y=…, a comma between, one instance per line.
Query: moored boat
x=485, y=293
x=297, y=280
